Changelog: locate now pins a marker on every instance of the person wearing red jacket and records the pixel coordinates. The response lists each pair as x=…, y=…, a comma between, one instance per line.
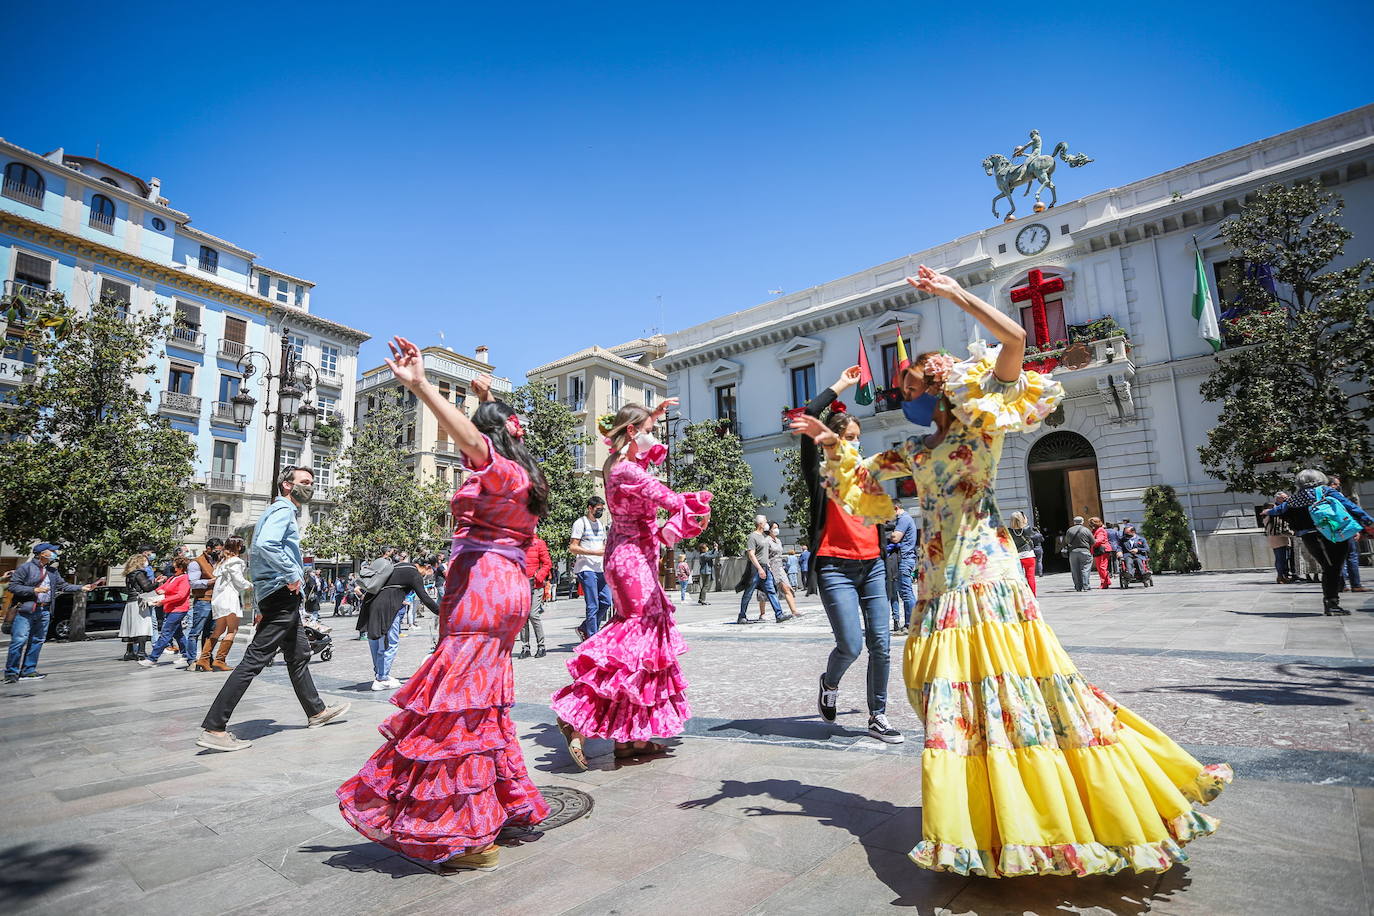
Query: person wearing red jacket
x=539, y=566
x=1102, y=551
x=176, y=602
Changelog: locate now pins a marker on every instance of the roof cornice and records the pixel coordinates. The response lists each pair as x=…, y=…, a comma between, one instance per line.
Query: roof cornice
x=595, y=354
x=24, y=228
x=105, y=187
x=222, y=243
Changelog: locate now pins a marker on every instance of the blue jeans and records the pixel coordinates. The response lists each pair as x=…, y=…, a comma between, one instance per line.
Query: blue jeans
x=1283, y=562
x=1352, y=565
x=906, y=575
x=202, y=621
x=384, y=649
x=854, y=593
x=597, y=594
x=171, y=629
x=770, y=589
x=27, y=636
x=682, y=585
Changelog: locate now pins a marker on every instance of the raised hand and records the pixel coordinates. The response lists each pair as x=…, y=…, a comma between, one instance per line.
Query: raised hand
x=807, y=425
x=935, y=283
x=481, y=386
x=406, y=363
x=664, y=406
x=848, y=379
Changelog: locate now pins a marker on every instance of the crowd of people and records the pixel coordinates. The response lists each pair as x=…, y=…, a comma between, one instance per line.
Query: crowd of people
x=1027, y=769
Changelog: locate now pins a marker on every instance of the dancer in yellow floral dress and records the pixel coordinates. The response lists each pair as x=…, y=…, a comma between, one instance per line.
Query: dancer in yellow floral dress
x=1027, y=768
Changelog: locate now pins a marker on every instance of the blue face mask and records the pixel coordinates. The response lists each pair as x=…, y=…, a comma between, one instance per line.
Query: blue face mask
x=921, y=411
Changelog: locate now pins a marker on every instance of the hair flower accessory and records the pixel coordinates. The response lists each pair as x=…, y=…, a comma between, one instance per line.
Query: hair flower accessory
x=515, y=427
x=938, y=366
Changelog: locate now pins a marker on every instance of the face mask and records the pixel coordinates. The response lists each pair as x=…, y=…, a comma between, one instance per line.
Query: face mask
x=303, y=493
x=598, y=512
x=921, y=411
x=650, y=449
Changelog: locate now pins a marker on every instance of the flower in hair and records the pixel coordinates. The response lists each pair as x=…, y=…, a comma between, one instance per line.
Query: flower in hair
x=515, y=427
x=937, y=366
x=837, y=406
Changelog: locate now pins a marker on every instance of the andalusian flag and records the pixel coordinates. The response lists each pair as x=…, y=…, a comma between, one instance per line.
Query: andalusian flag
x=1203, y=310
x=865, y=392
x=902, y=361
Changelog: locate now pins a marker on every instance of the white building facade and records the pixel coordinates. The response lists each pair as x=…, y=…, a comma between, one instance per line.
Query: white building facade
x=78, y=226
x=1134, y=416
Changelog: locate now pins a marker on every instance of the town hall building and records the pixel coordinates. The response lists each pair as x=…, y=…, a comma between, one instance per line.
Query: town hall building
x=1114, y=270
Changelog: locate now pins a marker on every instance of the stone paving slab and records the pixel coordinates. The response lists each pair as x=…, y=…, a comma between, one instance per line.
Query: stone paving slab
x=760, y=808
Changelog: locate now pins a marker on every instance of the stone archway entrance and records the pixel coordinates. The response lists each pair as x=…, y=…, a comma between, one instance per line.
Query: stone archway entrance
x=1063, y=479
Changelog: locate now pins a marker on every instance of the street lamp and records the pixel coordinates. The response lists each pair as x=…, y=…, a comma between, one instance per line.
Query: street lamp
x=295, y=379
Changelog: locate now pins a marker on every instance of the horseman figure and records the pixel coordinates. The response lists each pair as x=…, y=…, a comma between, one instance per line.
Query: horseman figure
x=1037, y=167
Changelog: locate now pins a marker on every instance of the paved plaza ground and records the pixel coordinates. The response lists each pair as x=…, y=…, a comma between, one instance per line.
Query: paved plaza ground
x=762, y=807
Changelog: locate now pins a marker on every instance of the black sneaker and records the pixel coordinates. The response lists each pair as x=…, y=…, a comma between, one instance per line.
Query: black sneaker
x=581, y=632
x=743, y=620
x=784, y=618
x=11, y=679
x=524, y=653
x=540, y=653
x=32, y=676
x=880, y=728
x=825, y=701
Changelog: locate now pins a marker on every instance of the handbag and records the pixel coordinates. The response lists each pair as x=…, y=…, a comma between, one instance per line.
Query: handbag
x=1099, y=550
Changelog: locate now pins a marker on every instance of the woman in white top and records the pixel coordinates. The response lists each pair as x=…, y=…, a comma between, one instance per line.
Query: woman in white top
x=1025, y=547
x=231, y=582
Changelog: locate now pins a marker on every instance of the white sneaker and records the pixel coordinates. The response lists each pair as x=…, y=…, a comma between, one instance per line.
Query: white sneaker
x=880, y=728
x=392, y=683
x=379, y=685
x=179, y=662
x=147, y=663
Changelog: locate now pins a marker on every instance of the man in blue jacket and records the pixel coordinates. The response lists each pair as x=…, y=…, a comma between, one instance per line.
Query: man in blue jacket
x=278, y=573
x=34, y=585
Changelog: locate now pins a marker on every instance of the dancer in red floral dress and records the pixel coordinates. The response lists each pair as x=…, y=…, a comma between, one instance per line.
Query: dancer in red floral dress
x=450, y=775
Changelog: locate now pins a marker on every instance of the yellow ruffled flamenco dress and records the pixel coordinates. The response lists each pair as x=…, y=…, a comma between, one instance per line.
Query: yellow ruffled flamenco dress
x=1027, y=768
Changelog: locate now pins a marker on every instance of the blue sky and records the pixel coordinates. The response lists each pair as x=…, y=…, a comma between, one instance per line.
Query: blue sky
x=532, y=177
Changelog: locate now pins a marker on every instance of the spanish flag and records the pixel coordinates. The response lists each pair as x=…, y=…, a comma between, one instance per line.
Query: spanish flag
x=902, y=360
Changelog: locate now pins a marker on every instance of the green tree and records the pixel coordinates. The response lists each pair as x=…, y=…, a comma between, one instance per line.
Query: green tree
x=1296, y=389
x=1166, y=530
x=381, y=502
x=85, y=464
x=707, y=458
x=551, y=433
x=797, y=498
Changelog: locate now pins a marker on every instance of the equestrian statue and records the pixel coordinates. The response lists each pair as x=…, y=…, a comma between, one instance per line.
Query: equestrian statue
x=1037, y=167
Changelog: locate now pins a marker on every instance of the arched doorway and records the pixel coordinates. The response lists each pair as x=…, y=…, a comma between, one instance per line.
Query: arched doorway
x=1063, y=480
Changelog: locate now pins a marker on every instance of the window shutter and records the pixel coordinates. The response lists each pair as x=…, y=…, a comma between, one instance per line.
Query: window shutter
x=188, y=314
x=236, y=330
x=120, y=292
x=32, y=268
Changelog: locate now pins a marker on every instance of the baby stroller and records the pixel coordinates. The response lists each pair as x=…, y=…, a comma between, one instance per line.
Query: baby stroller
x=318, y=638
x=1125, y=575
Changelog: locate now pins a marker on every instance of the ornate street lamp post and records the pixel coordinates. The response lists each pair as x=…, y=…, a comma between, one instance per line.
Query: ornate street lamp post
x=295, y=379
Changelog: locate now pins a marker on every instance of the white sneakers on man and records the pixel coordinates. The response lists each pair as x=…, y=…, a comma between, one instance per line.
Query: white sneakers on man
x=389, y=684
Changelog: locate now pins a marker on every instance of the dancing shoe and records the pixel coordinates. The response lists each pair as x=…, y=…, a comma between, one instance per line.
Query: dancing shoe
x=485, y=859
x=825, y=701
x=326, y=714
x=880, y=728
x=224, y=742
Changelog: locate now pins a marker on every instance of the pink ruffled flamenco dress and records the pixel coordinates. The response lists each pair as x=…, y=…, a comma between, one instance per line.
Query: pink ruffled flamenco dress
x=626, y=683
x=450, y=775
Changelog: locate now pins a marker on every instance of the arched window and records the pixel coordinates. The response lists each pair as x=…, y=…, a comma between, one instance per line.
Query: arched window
x=102, y=213
x=24, y=184
x=108, y=180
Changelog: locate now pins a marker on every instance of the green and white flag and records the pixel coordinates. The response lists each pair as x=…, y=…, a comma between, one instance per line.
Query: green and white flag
x=1203, y=309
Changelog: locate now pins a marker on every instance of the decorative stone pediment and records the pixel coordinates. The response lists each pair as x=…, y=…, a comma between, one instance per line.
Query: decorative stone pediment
x=799, y=351
x=883, y=329
x=724, y=372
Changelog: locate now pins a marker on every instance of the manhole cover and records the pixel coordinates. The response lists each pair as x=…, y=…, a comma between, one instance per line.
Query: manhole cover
x=565, y=806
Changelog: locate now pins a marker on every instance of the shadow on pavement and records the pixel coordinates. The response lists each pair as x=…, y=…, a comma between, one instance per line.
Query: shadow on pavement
x=32, y=871
x=1295, y=685
x=808, y=728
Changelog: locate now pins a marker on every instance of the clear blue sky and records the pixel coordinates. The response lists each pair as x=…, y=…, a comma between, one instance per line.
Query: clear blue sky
x=532, y=177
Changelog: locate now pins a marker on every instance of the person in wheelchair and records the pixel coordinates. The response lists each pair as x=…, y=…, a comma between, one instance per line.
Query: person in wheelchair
x=1134, y=553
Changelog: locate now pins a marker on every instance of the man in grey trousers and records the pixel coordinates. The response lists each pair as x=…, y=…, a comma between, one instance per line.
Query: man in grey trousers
x=1078, y=540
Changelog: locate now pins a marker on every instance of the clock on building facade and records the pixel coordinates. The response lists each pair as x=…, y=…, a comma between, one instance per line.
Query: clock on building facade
x=1033, y=239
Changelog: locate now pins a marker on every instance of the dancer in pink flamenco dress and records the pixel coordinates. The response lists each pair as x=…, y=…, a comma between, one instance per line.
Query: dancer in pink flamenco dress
x=450, y=775
x=626, y=685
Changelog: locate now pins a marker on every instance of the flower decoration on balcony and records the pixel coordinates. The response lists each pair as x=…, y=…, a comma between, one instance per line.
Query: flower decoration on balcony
x=1046, y=358
x=329, y=433
x=605, y=423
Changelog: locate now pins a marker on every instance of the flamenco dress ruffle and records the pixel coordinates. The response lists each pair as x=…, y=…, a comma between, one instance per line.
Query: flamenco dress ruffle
x=450, y=775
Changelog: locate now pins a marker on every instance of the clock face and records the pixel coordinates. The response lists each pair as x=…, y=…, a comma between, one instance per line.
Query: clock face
x=1032, y=239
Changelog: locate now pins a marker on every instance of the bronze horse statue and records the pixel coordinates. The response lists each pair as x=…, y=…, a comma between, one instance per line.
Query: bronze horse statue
x=1037, y=167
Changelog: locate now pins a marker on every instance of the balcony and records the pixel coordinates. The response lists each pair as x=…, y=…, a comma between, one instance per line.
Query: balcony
x=223, y=532
x=102, y=221
x=614, y=403
x=24, y=193
x=1108, y=372
x=887, y=399
x=331, y=378
x=232, y=349
x=32, y=293
x=223, y=483
x=185, y=405
x=187, y=339
x=223, y=413
x=444, y=447
x=575, y=402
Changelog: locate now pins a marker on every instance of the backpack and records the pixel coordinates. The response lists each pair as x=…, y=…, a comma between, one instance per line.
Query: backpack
x=1332, y=520
x=375, y=574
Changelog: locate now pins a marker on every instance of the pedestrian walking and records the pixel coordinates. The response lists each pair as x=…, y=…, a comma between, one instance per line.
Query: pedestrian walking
x=1078, y=546
x=684, y=577
x=136, y=626
x=383, y=616
x=1280, y=538
x=903, y=537
x=34, y=585
x=707, y=558
x=450, y=776
x=757, y=575
x=340, y=595
x=1102, y=552
x=276, y=568
x=848, y=568
x=792, y=563
x=1350, y=573
x=588, y=544
x=226, y=601
x=1025, y=553
x=626, y=684
x=777, y=567
x=538, y=566
x=174, y=596
x=1327, y=521
x=1026, y=769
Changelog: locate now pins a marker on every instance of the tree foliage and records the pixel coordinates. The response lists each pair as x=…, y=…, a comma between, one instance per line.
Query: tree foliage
x=551, y=432
x=381, y=503
x=86, y=465
x=796, y=495
x=706, y=458
x=1296, y=391
x=1167, y=532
